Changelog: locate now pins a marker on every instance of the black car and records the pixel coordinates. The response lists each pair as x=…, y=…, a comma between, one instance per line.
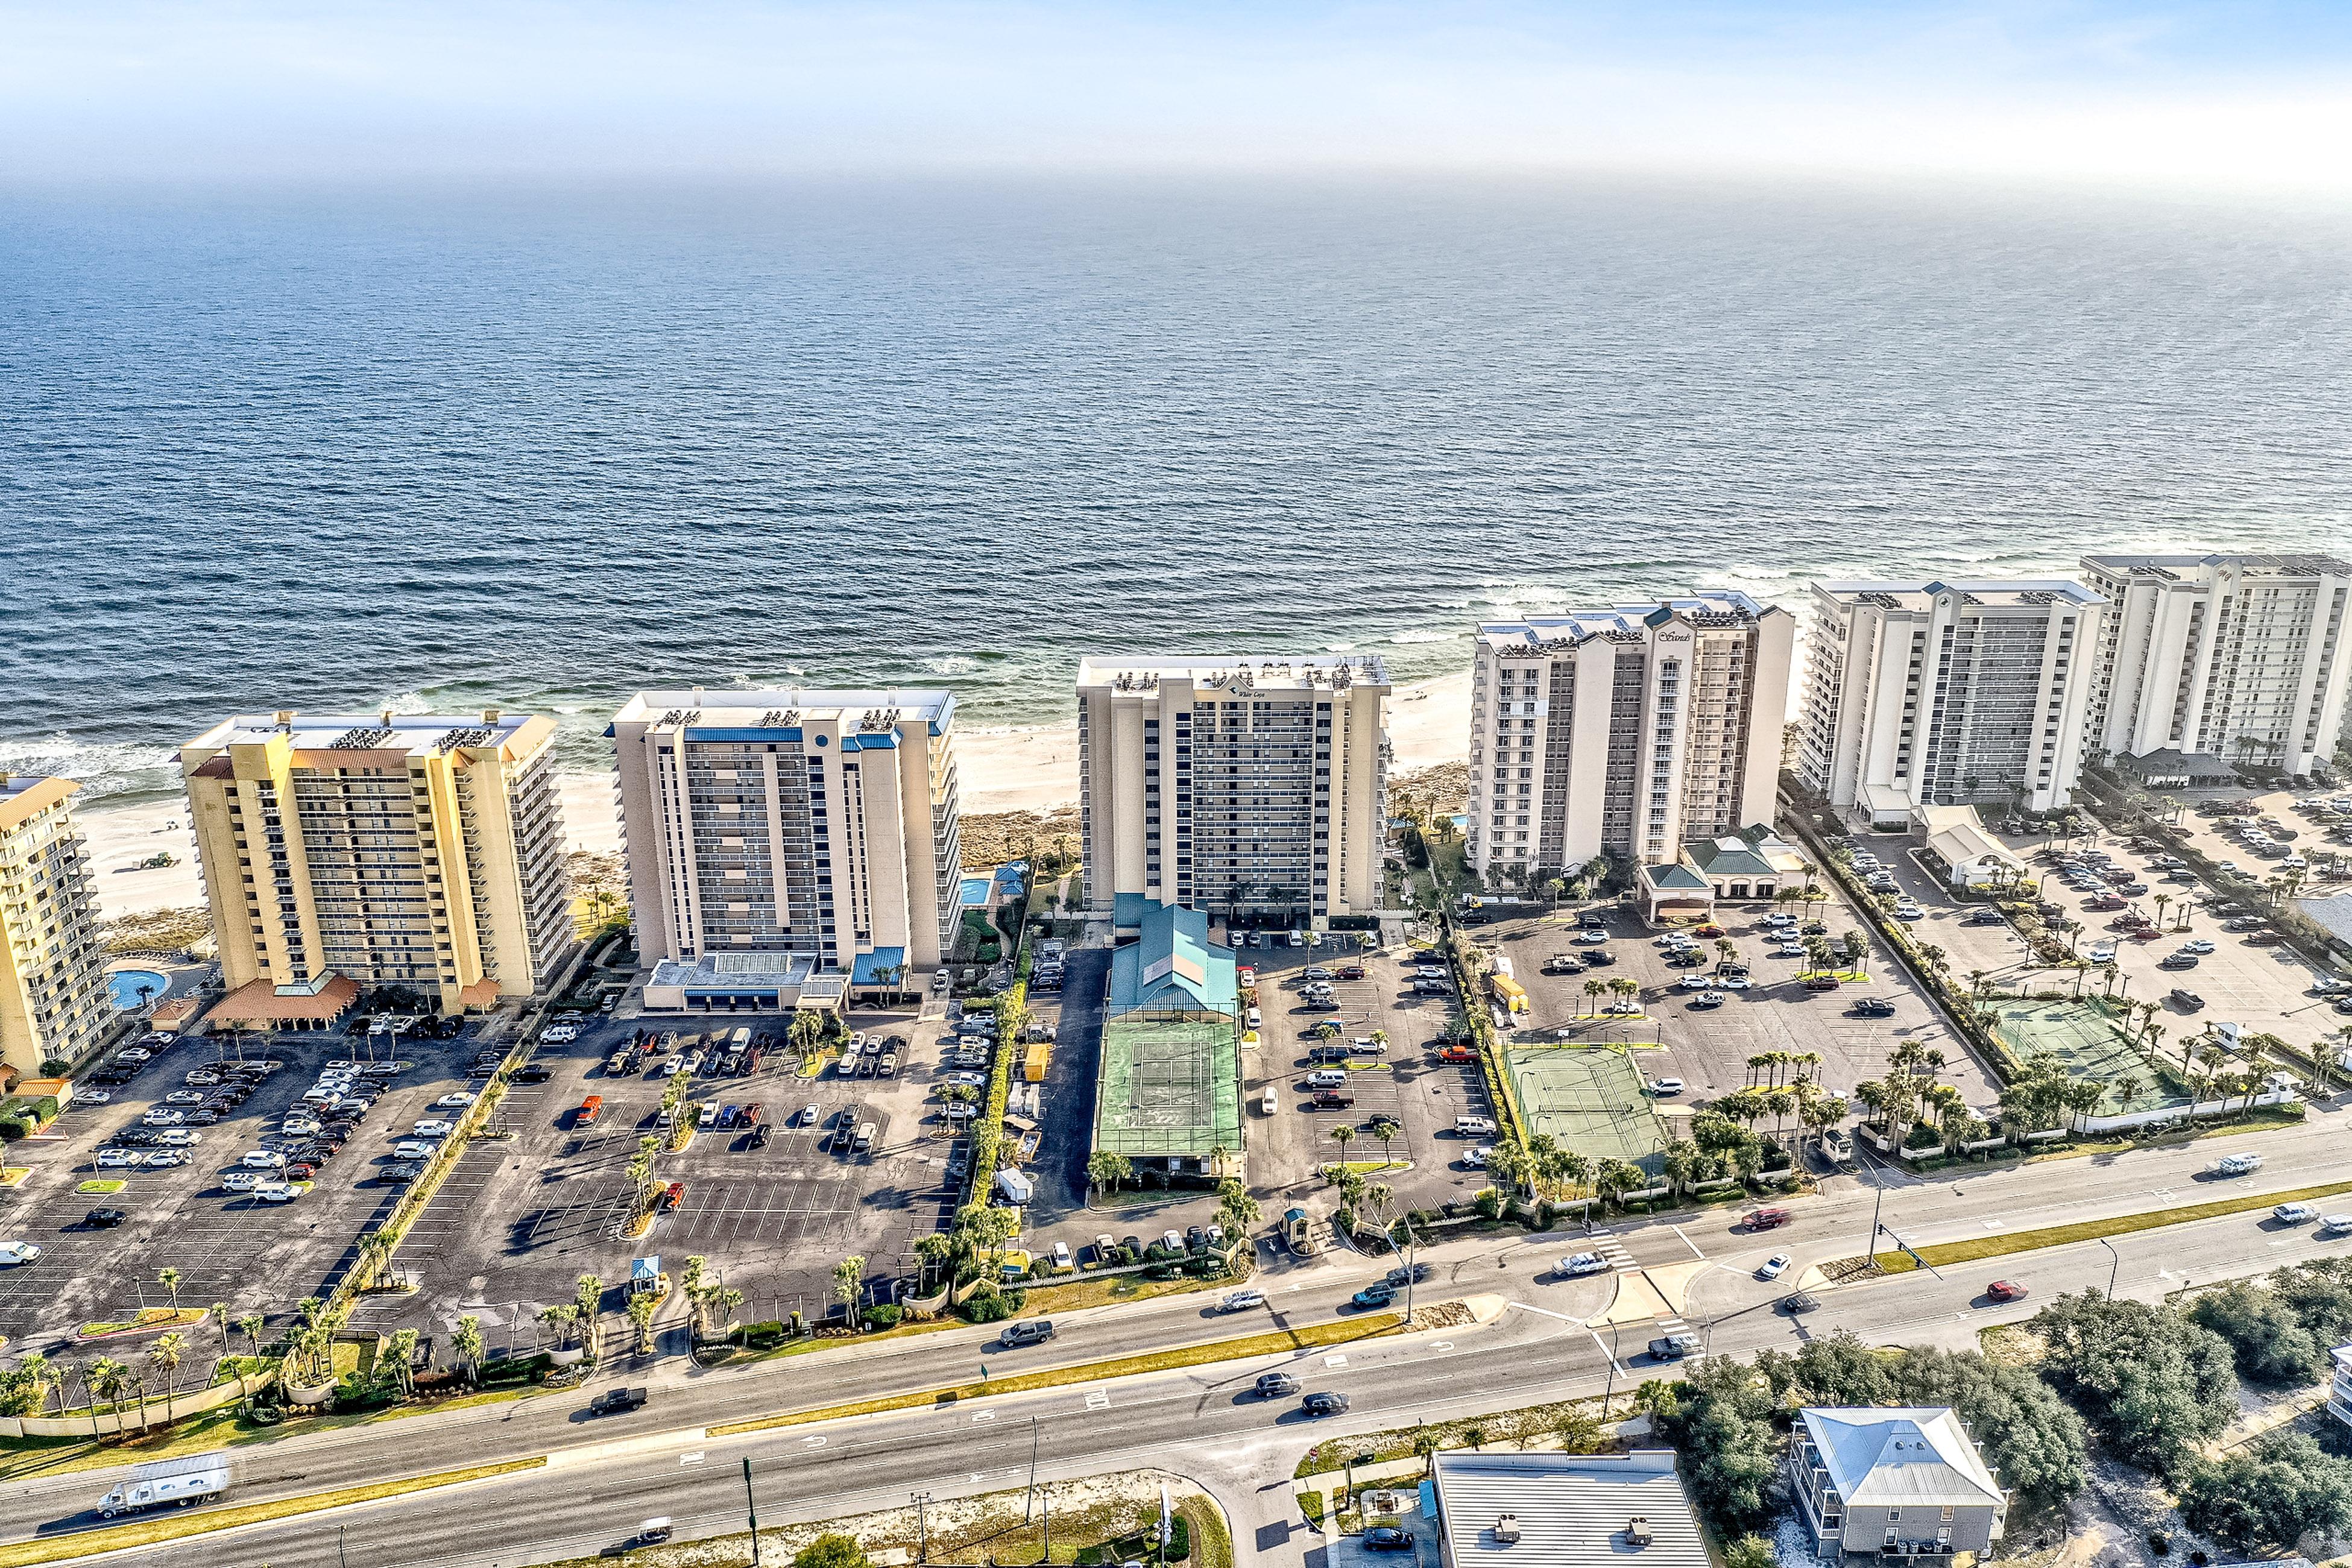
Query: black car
x=105, y=1218
x=1673, y=1347
x=533, y=1075
x=1320, y=1007
x=1324, y=1405
x=202, y=1116
x=1196, y=1237
x=2184, y=999
x=1600, y=955
x=1798, y=1303
x=1386, y=1538
x=135, y=1138
x=1276, y=1386
x=1403, y=1275
x=758, y=1138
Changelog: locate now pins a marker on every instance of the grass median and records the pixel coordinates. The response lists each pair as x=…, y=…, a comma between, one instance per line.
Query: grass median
x=1374, y=1325
x=205, y=1521
x=1998, y=1245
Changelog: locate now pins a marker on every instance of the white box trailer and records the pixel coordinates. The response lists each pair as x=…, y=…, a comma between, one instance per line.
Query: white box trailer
x=1015, y=1185
x=169, y=1483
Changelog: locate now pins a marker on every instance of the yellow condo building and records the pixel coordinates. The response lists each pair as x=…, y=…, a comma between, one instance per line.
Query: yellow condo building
x=394, y=850
x=53, y=996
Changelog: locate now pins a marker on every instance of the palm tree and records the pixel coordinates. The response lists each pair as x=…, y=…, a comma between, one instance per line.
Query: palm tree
x=849, y=1283
x=165, y=1356
x=1342, y=1135
x=1107, y=1168
x=642, y=1307
x=724, y=1301
x=41, y=1374
x=1593, y=990
x=170, y=1279
x=107, y=1378
x=467, y=1341
x=250, y=1327
x=1683, y=1165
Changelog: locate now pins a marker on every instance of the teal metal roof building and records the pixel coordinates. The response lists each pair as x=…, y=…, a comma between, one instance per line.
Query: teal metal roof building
x=1173, y=971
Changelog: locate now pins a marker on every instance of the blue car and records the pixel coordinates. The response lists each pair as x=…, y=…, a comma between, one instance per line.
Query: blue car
x=729, y=1114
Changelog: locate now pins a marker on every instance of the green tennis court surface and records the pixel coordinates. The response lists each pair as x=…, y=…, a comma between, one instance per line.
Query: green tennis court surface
x=1590, y=1101
x=2090, y=1043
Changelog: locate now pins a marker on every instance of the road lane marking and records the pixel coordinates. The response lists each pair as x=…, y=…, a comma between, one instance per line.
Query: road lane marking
x=984, y=1416
x=1334, y=1360
x=1694, y=1246
x=693, y=1459
x=1097, y=1398
x=1442, y=1344
x=812, y=1442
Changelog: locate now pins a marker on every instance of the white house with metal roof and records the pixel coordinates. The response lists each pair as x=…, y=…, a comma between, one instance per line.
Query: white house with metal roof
x=1894, y=1483
x=1565, y=1510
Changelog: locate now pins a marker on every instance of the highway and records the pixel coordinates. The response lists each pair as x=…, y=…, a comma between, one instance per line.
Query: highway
x=606, y=1476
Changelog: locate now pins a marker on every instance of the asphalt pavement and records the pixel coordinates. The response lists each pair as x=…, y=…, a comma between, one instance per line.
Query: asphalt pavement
x=606, y=1476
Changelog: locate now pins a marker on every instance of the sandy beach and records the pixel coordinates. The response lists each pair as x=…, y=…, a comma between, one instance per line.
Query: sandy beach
x=1031, y=769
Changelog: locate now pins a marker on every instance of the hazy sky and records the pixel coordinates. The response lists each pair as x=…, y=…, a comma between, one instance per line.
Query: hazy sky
x=2202, y=92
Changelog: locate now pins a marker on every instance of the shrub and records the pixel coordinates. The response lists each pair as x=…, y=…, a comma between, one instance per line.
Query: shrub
x=15, y=1127
x=1490, y=1204
x=2159, y=1542
x=885, y=1317
x=990, y=1305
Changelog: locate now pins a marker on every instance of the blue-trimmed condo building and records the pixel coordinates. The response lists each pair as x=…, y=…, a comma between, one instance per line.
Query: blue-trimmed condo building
x=788, y=847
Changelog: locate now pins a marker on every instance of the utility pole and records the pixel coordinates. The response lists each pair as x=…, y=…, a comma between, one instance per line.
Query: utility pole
x=923, y=1532
x=752, y=1510
x=1030, y=1501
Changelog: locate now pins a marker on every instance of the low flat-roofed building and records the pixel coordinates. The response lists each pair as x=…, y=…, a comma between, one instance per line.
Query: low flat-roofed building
x=1565, y=1510
x=1892, y=1481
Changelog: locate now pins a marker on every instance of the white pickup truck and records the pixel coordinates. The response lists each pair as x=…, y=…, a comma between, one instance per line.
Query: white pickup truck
x=173, y=1483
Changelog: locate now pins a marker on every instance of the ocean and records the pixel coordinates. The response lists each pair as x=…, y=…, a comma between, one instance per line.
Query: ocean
x=538, y=448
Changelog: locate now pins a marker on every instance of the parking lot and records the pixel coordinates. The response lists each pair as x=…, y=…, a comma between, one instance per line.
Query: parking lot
x=229, y=1248
x=2260, y=987
x=1678, y=1034
x=546, y=1201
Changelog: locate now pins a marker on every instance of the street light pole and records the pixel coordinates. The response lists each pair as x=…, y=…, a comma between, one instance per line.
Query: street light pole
x=752, y=1510
x=2114, y=1268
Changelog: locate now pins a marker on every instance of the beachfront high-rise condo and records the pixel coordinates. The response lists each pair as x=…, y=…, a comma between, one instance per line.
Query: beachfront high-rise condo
x=2235, y=657
x=1946, y=694
x=784, y=845
x=342, y=850
x=1252, y=788
x=1624, y=731
x=53, y=991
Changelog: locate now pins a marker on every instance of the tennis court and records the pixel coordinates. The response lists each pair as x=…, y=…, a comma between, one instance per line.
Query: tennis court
x=2082, y=1035
x=1169, y=1087
x=1590, y=1101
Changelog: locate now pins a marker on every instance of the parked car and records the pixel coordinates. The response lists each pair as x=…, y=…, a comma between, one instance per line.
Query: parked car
x=2184, y=999
x=105, y=1218
x=1386, y=1538
x=1666, y=1086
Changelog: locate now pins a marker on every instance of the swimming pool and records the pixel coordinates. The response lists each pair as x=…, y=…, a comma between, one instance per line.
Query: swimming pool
x=126, y=985
x=973, y=891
